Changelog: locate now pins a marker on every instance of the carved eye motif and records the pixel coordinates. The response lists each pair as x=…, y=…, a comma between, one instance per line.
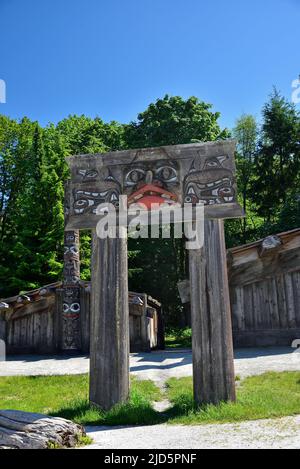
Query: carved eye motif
x=88, y=175
x=212, y=164
x=134, y=176
x=74, y=308
x=91, y=174
x=167, y=174
x=81, y=203
x=226, y=190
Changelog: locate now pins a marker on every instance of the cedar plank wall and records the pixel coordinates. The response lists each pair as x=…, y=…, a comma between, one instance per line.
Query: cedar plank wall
x=35, y=327
x=265, y=303
x=265, y=292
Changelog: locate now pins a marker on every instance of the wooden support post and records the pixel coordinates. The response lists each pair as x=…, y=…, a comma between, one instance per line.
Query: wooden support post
x=213, y=365
x=109, y=366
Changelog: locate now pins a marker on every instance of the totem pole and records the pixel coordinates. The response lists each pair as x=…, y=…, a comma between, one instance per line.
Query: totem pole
x=71, y=293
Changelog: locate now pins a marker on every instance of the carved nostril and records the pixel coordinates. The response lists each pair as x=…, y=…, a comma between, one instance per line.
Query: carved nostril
x=149, y=177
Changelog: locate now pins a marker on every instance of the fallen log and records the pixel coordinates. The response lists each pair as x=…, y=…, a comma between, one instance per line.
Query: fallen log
x=25, y=430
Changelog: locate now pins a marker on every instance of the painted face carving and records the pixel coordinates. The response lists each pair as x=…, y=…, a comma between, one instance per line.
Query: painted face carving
x=71, y=271
x=71, y=309
x=88, y=201
x=149, y=184
x=106, y=190
x=208, y=182
x=71, y=250
x=69, y=238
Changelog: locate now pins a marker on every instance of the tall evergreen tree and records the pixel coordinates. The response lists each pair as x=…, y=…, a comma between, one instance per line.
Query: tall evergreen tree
x=246, y=135
x=278, y=158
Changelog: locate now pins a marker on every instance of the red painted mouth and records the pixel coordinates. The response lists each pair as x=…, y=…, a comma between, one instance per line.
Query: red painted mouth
x=150, y=194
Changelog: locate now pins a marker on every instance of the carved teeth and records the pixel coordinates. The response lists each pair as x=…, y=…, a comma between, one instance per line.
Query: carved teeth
x=228, y=199
x=92, y=194
x=137, y=197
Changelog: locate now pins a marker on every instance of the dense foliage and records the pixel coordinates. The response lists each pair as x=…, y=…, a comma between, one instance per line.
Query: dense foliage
x=33, y=171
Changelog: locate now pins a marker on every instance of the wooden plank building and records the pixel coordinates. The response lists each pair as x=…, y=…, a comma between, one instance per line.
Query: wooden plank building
x=32, y=323
x=264, y=279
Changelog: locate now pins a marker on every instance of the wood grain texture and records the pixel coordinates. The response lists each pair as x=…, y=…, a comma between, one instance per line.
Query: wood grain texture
x=213, y=366
x=24, y=430
x=109, y=347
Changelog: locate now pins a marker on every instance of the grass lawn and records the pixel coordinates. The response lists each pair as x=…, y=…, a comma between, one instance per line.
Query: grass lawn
x=258, y=397
x=179, y=338
x=67, y=396
x=265, y=396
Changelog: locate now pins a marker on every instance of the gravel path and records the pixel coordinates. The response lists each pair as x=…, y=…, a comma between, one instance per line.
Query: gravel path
x=157, y=366
x=259, y=434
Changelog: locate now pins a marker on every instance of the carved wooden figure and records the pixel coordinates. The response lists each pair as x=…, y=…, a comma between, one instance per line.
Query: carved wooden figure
x=171, y=176
x=71, y=293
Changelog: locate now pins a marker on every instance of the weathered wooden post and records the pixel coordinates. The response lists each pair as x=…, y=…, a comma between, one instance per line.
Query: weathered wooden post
x=213, y=369
x=109, y=349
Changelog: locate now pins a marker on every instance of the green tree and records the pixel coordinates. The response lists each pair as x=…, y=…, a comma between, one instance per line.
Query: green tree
x=246, y=135
x=278, y=158
x=83, y=134
x=173, y=120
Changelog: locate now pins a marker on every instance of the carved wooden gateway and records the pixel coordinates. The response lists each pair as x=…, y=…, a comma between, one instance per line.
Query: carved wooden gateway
x=173, y=176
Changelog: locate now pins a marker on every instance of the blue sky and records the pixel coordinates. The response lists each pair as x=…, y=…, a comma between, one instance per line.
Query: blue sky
x=113, y=57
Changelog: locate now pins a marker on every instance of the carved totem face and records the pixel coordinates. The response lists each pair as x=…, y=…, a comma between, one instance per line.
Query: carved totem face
x=201, y=173
x=88, y=199
x=208, y=182
x=151, y=183
x=71, y=317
